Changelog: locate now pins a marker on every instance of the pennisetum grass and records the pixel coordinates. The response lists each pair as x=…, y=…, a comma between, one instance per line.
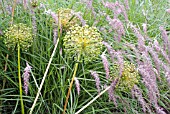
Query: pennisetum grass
x=131, y=76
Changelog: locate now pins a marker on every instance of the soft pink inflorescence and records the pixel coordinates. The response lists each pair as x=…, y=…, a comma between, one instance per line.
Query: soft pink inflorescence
x=97, y=80
x=159, y=110
x=160, y=50
x=115, y=54
x=149, y=79
x=117, y=8
x=120, y=62
x=106, y=65
x=80, y=17
x=34, y=23
x=168, y=10
x=141, y=39
x=126, y=4
x=25, y=2
x=53, y=14
x=117, y=26
x=26, y=75
x=77, y=83
x=112, y=96
x=144, y=25
x=55, y=35
x=110, y=50
x=165, y=39
x=138, y=94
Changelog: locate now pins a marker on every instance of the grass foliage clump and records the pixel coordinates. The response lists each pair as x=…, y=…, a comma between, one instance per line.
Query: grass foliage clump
x=84, y=57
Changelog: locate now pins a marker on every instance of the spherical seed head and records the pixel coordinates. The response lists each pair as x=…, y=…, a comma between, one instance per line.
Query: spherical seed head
x=67, y=18
x=130, y=76
x=84, y=40
x=18, y=33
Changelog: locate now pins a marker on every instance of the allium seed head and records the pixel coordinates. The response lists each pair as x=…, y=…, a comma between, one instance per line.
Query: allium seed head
x=18, y=33
x=129, y=76
x=67, y=18
x=84, y=40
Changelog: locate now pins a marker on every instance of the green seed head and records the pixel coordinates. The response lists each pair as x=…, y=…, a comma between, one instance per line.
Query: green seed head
x=18, y=33
x=129, y=78
x=85, y=40
x=66, y=18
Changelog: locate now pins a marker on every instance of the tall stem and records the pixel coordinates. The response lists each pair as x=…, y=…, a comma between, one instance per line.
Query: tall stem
x=19, y=77
x=71, y=84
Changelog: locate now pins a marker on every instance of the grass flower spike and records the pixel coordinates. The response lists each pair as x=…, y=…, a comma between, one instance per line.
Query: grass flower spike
x=26, y=75
x=85, y=40
x=18, y=33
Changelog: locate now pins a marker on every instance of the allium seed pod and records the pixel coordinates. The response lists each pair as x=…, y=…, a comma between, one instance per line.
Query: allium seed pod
x=130, y=76
x=18, y=33
x=84, y=40
x=66, y=18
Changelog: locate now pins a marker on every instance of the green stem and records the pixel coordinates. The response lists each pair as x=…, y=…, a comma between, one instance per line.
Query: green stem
x=71, y=84
x=19, y=77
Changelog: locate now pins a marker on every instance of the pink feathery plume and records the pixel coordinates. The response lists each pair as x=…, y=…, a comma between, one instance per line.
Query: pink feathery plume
x=106, y=65
x=165, y=40
x=117, y=26
x=77, y=83
x=168, y=11
x=26, y=75
x=97, y=80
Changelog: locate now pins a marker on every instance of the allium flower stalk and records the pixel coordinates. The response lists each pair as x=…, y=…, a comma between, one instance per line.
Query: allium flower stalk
x=84, y=40
x=97, y=79
x=26, y=75
x=18, y=35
